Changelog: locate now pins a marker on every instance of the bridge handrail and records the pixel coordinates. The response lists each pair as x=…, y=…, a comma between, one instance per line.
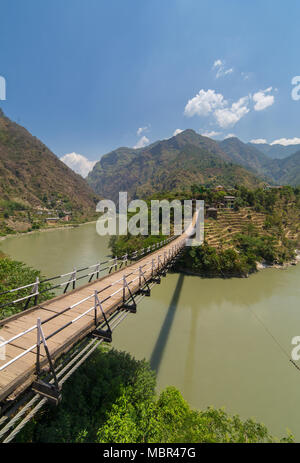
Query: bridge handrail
x=75, y=305
x=116, y=260
x=31, y=348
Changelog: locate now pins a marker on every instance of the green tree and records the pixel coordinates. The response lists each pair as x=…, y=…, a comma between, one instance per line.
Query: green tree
x=14, y=274
x=111, y=399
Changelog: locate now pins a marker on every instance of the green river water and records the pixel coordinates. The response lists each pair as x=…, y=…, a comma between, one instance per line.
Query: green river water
x=203, y=336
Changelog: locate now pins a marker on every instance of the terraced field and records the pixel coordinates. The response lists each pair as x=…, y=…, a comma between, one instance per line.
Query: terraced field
x=221, y=231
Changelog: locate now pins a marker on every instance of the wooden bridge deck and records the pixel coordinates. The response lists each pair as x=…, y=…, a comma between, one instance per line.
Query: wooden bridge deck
x=23, y=371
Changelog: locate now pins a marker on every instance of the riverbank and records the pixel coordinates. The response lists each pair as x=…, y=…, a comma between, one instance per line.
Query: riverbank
x=42, y=230
x=284, y=266
x=247, y=258
x=259, y=267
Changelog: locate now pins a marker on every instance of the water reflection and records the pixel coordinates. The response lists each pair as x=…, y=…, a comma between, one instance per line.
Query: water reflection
x=188, y=376
x=159, y=348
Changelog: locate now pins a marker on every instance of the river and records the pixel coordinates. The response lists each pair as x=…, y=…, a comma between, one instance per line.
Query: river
x=211, y=338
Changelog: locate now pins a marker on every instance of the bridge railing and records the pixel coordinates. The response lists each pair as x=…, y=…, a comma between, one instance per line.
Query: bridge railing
x=71, y=278
x=145, y=273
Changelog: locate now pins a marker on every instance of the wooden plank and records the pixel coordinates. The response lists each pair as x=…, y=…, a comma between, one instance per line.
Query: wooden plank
x=10, y=378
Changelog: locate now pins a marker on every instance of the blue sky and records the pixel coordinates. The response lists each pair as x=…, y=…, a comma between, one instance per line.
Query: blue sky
x=85, y=75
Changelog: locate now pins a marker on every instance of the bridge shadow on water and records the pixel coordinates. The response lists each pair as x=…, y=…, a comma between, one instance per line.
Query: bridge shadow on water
x=159, y=348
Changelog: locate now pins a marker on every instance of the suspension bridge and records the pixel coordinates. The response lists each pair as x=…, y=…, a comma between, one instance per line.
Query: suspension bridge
x=46, y=343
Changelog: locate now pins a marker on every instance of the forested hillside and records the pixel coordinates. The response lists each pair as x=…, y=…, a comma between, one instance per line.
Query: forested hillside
x=245, y=155
x=285, y=170
x=276, y=151
x=167, y=165
x=31, y=174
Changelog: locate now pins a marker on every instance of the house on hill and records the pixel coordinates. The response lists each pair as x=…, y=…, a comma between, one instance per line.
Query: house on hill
x=219, y=188
x=273, y=187
x=229, y=201
x=52, y=220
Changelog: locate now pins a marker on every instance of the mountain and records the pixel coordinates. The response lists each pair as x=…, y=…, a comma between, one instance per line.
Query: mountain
x=284, y=171
x=30, y=173
x=287, y=171
x=245, y=155
x=167, y=165
x=276, y=151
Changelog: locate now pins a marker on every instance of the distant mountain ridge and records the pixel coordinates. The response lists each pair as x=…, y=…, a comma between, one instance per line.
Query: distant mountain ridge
x=166, y=165
x=245, y=155
x=32, y=174
x=285, y=171
x=189, y=158
x=276, y=151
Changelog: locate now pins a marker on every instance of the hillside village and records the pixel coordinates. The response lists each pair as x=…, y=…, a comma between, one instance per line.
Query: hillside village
x=224, y=218
x=16, y=217
x=246, y=230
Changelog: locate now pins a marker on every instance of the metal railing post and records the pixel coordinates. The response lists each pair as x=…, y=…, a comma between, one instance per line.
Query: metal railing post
x=74, y=278
x=34, y=293
x=38, y=349
x=43, y=340
x=95, y=308
x=36, y=290
x=124, y=288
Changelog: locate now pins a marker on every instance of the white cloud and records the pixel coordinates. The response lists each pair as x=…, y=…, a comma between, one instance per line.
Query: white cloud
x=176, y=132
x=280, y=141
x=245, y=75
x=263, y=99
x=209, y=103
x=286, y=141
x=143, y=141
x=258, y=141
x=140, y=130
x=80, y=164
x=229, y=116
x=225, y=72
x=204, y=103
x=211, y=134
x=217, y=63
x=230, y=135
x=219, y=66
